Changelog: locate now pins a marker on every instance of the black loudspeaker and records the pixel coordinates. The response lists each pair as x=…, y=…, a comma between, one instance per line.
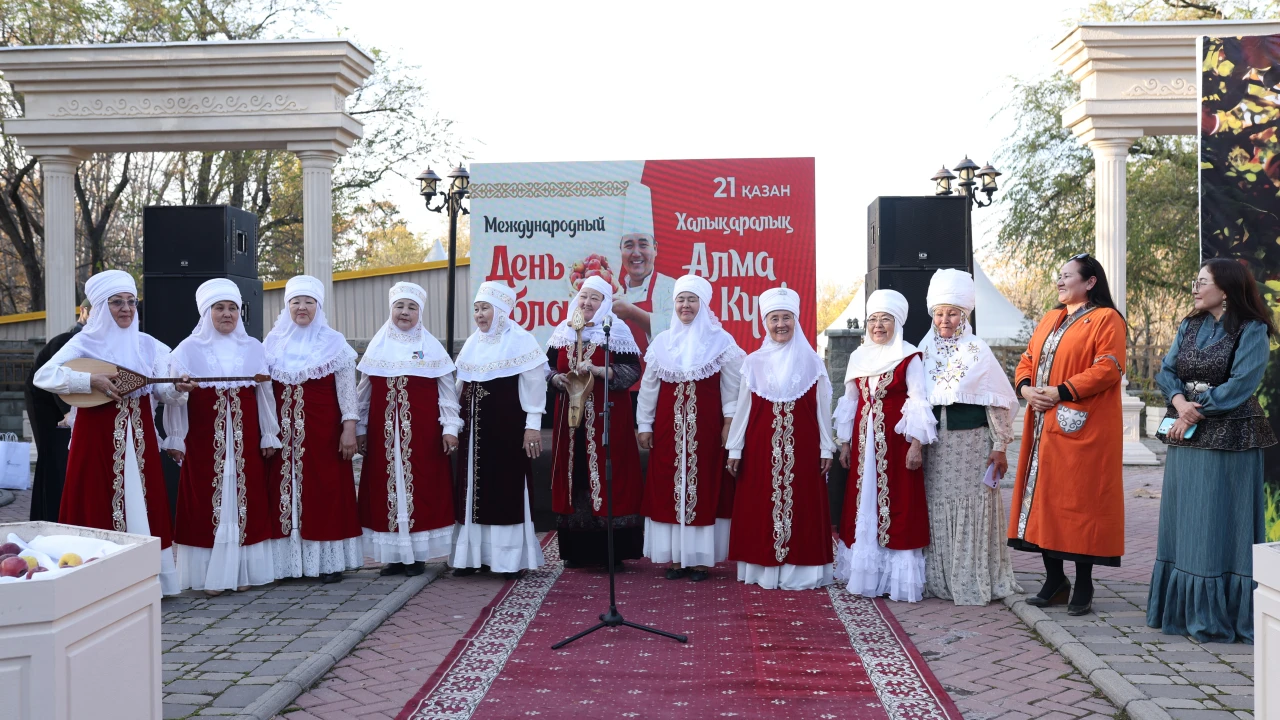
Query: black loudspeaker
x=913, y=283
x=169, y=311
x=918, y=232
x=209, y=240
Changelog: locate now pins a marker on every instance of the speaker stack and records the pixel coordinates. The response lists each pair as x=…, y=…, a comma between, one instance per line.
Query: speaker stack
x=908, y=239
x=182, y=247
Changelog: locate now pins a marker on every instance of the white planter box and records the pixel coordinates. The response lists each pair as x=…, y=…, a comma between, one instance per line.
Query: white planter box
x=83, y=644
x=1266, y=632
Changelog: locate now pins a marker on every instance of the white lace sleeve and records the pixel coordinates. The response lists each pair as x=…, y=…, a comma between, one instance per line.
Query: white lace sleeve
x=533, y=397
x=846, y=412
x=268, y=423
x=828, y=444
x=364, y=394
x=1000, y=422
x=738, y=428
x=647, y=400
x=450, y=419
x=730, y=379
x=918, y=422
x=56, y=379
x=345, y=379
x=166, y=393
x=175, y=428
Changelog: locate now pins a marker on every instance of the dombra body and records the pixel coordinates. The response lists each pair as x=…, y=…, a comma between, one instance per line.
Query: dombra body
x=128, y=381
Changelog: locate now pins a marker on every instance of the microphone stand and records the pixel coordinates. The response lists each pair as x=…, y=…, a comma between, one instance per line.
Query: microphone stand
x=611, y=617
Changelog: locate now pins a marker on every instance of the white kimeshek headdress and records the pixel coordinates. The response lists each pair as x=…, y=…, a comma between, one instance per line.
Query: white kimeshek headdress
x=684, y=353
x=103, y=339
x=210, y=353
x=620, y=338
x=393, y=352
x=782, y=372
x=961, y=369
x=871, y=359
x=506, y=349
x=296, y=354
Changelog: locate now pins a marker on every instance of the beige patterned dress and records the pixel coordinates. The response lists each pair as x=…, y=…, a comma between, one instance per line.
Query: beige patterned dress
x=967, y=560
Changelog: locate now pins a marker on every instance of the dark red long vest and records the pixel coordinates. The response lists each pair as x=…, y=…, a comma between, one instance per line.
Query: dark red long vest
x=310, y=428
x=780, y=511
x=906, y=527
x=93, y=495
x=427, y=485
x=628, y=484
x=686, y=428
x=201, y=478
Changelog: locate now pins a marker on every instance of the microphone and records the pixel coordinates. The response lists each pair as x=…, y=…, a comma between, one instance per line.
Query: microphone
x=608, y=323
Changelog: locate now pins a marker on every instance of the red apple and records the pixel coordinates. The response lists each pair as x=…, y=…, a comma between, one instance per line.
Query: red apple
x=36, y=569
x=13, y=566
x=10, y=549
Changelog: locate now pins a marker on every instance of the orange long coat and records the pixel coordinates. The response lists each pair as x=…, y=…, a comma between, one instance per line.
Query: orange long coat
x=1074, y=503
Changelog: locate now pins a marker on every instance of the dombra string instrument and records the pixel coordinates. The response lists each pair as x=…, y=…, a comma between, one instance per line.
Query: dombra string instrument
x=127, y=381
x=579, y=383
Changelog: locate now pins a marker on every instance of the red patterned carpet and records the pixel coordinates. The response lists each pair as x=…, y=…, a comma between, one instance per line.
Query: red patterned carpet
x=751, y=653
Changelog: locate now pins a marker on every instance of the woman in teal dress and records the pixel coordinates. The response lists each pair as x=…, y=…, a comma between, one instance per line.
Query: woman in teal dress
x=1211, y=507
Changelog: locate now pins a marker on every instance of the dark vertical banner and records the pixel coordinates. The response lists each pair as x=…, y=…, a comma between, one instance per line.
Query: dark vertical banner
x=1240, y=189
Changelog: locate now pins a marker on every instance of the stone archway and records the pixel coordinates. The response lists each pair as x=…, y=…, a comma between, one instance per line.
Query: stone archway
x=255, y=95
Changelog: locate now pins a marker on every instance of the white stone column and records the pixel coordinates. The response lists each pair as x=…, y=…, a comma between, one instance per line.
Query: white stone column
x=1111, y=216
x=59, y=241
x=317, y=216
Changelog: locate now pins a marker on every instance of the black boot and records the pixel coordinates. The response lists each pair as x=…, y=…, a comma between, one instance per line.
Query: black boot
x=391, y=569
x=330, y=578
x=463, y=572
x=1082, y=599
x=414, y=569
x=1056, y=586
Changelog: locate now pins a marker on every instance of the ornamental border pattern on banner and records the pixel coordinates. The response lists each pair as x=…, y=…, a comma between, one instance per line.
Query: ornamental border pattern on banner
x=460, y=690
x=899, y=683
x=583, y=188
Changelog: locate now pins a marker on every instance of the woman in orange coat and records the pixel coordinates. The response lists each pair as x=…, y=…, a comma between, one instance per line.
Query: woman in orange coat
x=1068, y=503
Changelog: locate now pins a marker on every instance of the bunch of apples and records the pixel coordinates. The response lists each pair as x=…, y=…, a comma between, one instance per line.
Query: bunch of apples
x=16, y=565
x=592, y=265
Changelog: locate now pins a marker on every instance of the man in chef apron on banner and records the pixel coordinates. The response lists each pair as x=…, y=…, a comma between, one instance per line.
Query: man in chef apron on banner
x=645, y=302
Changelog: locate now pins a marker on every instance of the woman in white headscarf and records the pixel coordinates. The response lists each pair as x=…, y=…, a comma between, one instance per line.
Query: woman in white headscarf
x=967, y=559
x=316, y=531
x=407, y=397
x=884, y=524
x=688, y=395
x=223, y=524
x=502, y=376
x=578, y=466
x=116, y=486
x=780, y=450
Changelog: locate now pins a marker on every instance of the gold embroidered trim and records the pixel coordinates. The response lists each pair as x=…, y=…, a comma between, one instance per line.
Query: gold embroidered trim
x=784, y=459
x=389, y=447
x=219, y=455
x=139, y=443
x=237, y=436
x=406, y=436
x=686, y=428
x=591, y=449
x=476, y=393
x=119, y=438
x=286, y=461
x=873, y=410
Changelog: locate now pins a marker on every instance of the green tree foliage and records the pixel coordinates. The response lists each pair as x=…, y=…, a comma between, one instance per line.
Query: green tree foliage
x=401, y=131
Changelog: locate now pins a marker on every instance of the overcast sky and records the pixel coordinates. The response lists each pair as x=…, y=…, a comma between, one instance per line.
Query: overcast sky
x=881, y=94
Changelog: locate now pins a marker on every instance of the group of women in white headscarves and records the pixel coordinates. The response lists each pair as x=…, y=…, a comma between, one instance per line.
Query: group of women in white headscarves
x=922, y=512
x=739, y=445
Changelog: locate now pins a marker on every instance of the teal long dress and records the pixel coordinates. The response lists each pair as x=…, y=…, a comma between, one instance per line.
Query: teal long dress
x=1211, y=507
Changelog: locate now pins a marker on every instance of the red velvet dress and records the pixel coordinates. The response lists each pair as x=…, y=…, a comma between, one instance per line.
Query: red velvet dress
x=904, y=515
x=578, y=467
x=405, y=454
x=312, y=489
x=202, y=496
x=780, y=511
x=94, y=493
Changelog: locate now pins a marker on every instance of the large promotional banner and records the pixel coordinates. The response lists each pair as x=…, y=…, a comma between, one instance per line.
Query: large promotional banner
x=744, y=225
x=1240, y=189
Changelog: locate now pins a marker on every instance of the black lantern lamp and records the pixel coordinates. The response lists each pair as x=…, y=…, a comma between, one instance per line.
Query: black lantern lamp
x=943, y=178
x=427, y=182
x=460, y=180
x=966, y=170
x=450, y=202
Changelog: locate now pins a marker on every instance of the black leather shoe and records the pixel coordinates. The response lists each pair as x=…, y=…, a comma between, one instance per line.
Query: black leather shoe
x=463, y=572
x=513, y=575
x=415, y=569
x=330, y=578
x=1059, y=596
x=675, y=573
x=1076, y=608
x=391, y=569
x=699, y=575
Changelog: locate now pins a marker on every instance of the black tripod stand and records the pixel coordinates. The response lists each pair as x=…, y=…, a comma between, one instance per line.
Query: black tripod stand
x=611, y=617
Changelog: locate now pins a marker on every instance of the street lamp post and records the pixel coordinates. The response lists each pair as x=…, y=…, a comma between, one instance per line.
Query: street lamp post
x=967, y=170
x=451, y=202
